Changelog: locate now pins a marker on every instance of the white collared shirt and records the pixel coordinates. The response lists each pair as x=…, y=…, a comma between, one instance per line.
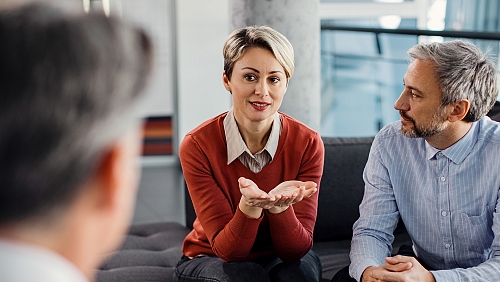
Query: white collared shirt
x=237, y=149
x=29, y=263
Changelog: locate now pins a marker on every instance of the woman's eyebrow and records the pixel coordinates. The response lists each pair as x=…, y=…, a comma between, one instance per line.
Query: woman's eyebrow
x=257, y=71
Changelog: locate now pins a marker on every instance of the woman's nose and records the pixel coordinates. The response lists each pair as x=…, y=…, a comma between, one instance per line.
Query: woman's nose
x=261, y=88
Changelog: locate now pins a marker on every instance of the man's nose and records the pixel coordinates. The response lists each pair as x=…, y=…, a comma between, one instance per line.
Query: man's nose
x=401, y=103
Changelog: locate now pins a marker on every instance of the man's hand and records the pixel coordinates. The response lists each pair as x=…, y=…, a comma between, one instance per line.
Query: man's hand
x=398, y=268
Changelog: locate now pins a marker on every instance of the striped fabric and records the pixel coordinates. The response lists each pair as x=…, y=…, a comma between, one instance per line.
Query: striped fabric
x=157, y=136
x=448, y=200
x=237, y=149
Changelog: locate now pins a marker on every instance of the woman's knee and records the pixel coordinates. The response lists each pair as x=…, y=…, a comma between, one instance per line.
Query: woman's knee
x=213, y=269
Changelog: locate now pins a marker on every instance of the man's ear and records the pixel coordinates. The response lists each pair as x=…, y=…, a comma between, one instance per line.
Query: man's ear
x=225, y=81
x=459, y=111
x=114, y=187
x=107, y=175
x=117, y=170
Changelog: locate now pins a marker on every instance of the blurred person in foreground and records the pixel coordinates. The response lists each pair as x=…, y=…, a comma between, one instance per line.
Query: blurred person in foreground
x=252, y=174
x=438, y=170
x=70, y=87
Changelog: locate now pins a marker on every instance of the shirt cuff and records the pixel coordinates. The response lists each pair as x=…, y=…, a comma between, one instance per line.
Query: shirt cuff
x=445, y=275
x=357, y=270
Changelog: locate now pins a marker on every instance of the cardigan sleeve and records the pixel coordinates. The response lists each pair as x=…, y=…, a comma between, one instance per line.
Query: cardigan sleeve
x=292, y=230
x=230, y=235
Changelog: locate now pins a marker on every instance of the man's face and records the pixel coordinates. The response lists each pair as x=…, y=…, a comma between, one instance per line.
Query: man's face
x=420, y=102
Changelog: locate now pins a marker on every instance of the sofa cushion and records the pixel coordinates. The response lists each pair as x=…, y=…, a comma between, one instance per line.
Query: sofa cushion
x=341, y=188
x=150, y=252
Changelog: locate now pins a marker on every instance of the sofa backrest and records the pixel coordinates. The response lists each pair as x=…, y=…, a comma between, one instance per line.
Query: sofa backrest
x=341, y=188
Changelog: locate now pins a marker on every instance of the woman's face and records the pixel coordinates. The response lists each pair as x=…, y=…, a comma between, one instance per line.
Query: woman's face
x=258, y=84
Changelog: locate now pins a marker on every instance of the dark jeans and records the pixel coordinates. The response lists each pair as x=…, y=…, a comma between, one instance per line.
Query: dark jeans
x=214, y=269
x=405, y=250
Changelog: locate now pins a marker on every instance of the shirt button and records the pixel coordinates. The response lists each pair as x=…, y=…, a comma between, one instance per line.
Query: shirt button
x=443, y=213
x=443, y=178
x=447, y=246
x=440, y=154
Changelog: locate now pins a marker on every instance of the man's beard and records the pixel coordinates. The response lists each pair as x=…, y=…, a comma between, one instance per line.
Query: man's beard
x=431, y=128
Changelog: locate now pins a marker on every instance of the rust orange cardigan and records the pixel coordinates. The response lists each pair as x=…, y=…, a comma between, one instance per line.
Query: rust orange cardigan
x=220, y=227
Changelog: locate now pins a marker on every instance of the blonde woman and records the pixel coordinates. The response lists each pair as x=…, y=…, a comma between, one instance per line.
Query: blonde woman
x=253, y=174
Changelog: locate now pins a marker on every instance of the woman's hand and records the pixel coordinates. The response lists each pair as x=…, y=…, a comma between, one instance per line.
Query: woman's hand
x=290, y=192
x=253, y=200
x=287, y=193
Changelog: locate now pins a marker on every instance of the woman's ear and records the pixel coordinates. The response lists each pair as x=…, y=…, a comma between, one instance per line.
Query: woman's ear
x=225, y=81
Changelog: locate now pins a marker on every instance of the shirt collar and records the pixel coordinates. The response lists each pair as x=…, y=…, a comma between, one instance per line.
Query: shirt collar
x=458, y=151
x=235, y=144
x=45, y=263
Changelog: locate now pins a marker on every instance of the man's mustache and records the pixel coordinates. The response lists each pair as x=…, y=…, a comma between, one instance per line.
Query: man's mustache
x=404, y=115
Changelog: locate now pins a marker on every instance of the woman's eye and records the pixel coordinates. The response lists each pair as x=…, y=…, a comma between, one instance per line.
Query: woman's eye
x=250, y=77
x=274, y=79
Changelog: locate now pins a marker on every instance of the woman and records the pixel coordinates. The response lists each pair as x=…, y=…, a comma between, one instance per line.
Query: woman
x=252, y=174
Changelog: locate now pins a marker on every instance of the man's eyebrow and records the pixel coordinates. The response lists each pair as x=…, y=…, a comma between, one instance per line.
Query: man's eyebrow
x=412, y=87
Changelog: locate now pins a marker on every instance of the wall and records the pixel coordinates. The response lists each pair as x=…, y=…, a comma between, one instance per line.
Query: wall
x=202, y=28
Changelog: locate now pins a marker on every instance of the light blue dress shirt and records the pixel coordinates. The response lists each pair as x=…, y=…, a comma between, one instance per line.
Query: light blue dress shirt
x=448, y=200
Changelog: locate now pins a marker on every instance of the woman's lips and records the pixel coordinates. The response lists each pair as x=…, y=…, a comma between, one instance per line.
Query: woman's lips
x=260, y=106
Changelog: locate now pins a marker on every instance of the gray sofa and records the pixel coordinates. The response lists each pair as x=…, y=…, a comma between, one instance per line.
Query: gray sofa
x=151, y=251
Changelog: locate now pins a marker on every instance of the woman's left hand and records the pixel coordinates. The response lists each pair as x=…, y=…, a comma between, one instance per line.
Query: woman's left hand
x=291, y=192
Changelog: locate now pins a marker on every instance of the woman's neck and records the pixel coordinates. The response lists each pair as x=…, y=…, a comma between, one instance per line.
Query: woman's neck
x=255, y=134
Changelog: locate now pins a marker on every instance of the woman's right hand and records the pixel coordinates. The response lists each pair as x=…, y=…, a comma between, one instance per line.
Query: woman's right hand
x=252, y=196
x=254, y=200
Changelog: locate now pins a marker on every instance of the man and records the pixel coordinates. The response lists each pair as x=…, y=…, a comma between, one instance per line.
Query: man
x=69, y=137
x=437, y=169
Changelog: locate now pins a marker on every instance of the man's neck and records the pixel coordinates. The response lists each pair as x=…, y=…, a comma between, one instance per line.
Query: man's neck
x=61, y=237
x=451, y=135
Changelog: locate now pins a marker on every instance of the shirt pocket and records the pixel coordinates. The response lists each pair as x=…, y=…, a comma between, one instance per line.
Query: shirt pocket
x=475, y=231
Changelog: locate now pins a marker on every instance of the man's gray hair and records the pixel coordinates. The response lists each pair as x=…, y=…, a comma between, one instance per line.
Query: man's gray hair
x=464, y=72
x=69, y=86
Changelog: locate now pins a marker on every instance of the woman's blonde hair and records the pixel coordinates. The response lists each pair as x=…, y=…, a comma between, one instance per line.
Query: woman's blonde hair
x=264, y=37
